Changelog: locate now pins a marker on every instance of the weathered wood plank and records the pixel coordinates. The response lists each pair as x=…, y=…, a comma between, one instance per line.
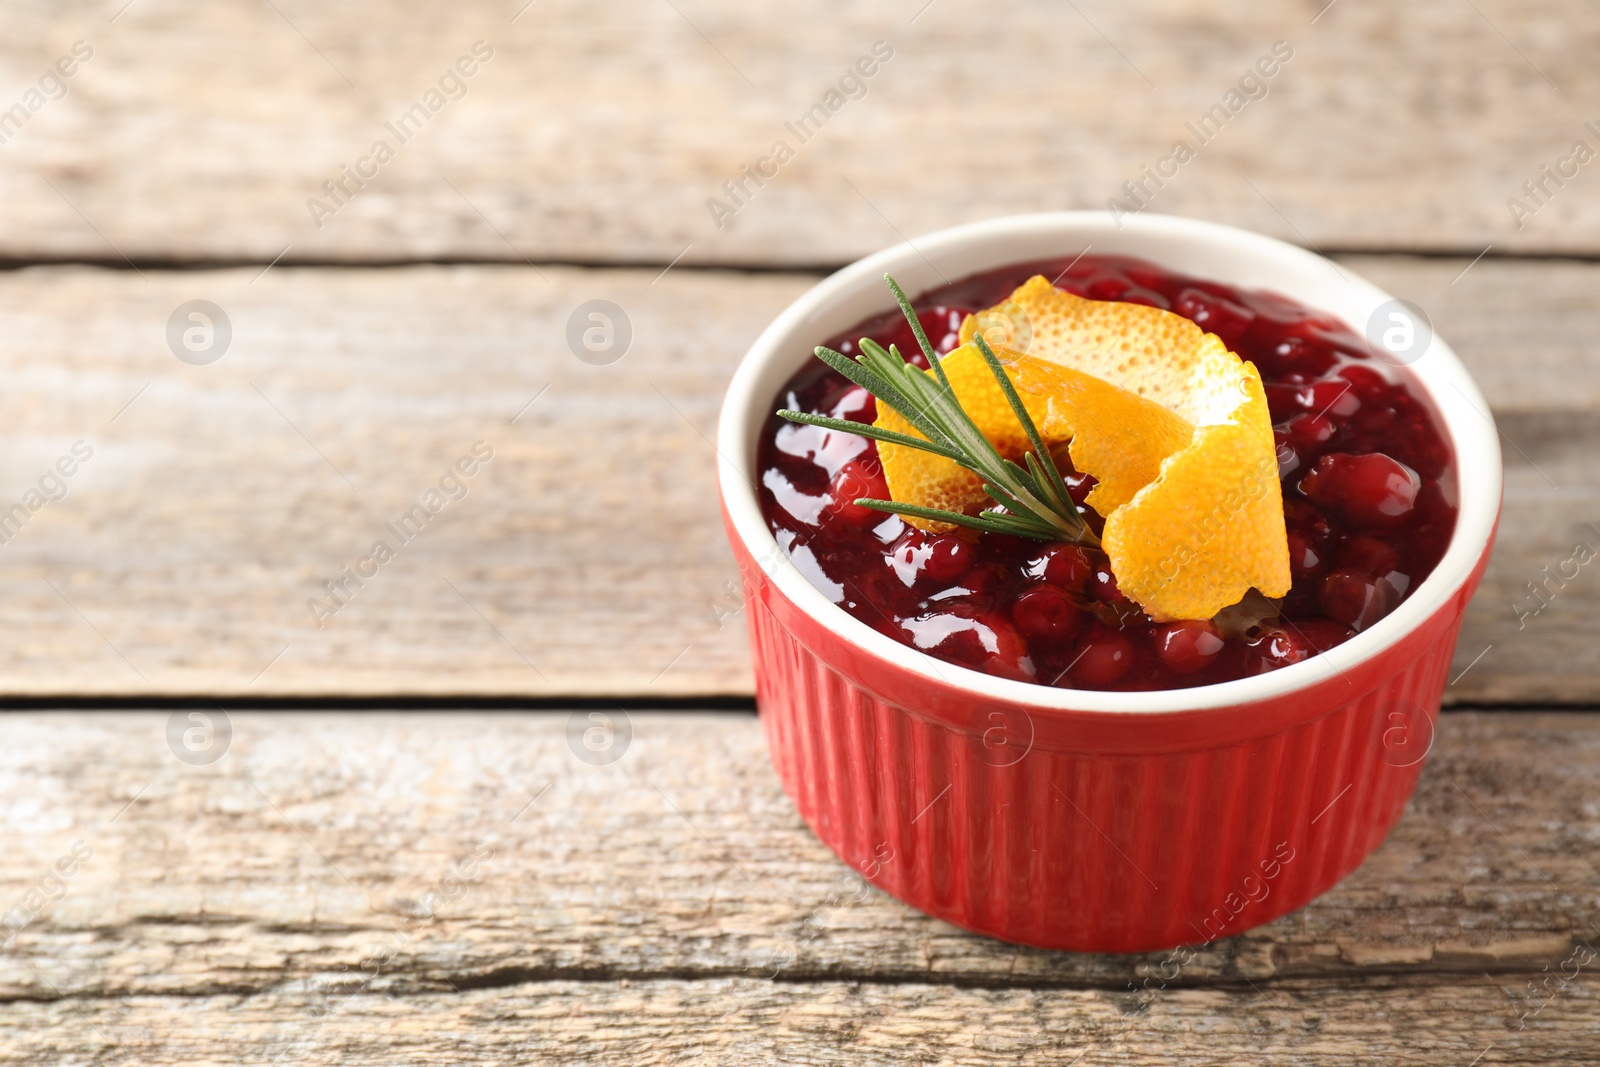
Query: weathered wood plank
x=733, y=1021
x=203, y=130
x=216, y=502
x=220, y=499
x=1526, y=329
x=418, y=854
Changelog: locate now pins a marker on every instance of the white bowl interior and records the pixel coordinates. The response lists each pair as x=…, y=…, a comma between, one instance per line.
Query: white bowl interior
x=1205, y=250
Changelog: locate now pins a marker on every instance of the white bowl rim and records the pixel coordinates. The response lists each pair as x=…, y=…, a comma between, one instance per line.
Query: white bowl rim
x=971, y=248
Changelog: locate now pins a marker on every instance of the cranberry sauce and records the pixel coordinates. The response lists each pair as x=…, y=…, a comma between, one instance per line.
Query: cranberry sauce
x=1368, y=489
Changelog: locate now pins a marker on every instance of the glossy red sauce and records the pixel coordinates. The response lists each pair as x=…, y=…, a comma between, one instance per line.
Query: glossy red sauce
x=1368, y=486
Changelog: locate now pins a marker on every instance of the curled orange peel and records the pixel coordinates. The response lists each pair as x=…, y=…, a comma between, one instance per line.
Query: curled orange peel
x=1172, y=425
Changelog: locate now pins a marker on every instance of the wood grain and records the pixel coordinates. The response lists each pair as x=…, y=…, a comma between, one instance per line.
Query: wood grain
x=671, y=905
x=429, y=853
x=200, y=131
x=733, y=1021
x=221, y=498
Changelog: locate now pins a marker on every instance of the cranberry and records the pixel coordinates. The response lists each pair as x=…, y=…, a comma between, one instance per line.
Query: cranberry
x=1009, y=656
x=1358, y=600
x=972, y=639
x=949, y=556
x=1368, y=487
x=1323, y=634
x=1107, y=287
x=1018, y=550
x=1315, y=328
x=1368, y=383
x=1297, y=357
x=1309, y=433
x=1304, y=516
x=1103, y=585
x=1189, y=646
x=856, y=479
x=1331, y=396
x=1103, y=657
x=1214, y=314
x=1377, y=421
x=1146, y=275
x=1065, y=565
x=1288, y=458
x=1078, y=486
x=980, y=579
x=1305, y=561
x=1283, y=401
x=1275, y=647
x=1369, y=555
x=1044, y=613
x=1077, y=268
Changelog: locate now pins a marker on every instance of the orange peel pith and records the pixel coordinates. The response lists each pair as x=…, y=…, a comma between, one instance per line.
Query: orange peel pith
x=1173, y=426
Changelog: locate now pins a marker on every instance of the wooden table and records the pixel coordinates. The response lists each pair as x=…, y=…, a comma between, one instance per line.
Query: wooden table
x=391, y=854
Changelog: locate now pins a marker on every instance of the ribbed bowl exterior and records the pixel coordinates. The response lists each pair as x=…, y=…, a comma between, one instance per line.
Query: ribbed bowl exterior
x=1091, y=831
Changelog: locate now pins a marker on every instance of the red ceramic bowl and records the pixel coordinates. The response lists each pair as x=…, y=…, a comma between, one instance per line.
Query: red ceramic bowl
x=1078, y=819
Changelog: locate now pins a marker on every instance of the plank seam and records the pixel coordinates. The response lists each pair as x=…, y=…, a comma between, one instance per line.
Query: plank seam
x=397, y=702
x=178, y=264
x=509, y=978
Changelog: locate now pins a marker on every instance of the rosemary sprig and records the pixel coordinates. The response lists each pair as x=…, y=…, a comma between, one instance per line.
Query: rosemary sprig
x=1032, y=497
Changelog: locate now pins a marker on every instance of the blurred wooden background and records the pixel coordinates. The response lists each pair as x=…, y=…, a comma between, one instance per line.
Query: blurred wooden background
x=378, y=333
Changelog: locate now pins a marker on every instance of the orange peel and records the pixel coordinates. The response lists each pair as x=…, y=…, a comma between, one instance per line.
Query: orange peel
x=1173, y=426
